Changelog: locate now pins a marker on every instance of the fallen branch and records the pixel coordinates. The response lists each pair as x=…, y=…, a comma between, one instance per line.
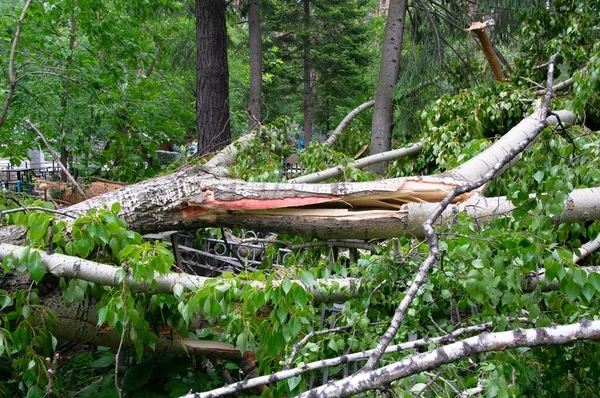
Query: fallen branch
x=587, y=249
x=62, y=265
x=369, y=104
x=359, y=356
x=359, y=164
x=346, y=121
x=486, y=46
x=486, y=342
x=348, y=244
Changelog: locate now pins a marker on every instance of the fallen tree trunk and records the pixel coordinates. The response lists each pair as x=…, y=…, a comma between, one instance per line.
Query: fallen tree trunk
x=61, y=265
x=198, y=197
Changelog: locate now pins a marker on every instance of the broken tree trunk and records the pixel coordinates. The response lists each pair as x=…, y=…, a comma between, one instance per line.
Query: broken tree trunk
x=197, y=197
x=478, y=28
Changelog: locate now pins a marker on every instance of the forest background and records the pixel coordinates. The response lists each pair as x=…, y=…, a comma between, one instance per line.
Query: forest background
x=109, y=83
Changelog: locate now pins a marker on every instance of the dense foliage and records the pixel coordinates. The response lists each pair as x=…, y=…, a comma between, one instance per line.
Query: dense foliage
x=105, y=81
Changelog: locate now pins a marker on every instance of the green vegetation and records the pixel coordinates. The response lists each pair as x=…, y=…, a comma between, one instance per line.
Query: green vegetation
x=110, y=83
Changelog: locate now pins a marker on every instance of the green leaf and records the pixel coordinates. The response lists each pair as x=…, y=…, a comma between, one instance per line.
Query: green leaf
x=282, y=314
x=83, y=247
x=215, y=308
x=137, y=376
x=588, y=292
x=293, y=382
x=580, y=277
x=572, y=290
x=594, y=279
x=115, y=207
x=39, y=228
x=242, y=342
x=102, y=312
x=26, y=311
x=307, y=278
x=114, y=245
x=21, y=254
x=36, y=268
x=178, y=290
x=5, y=301
x=286, y=286
x=295, y=326
x=103, y=362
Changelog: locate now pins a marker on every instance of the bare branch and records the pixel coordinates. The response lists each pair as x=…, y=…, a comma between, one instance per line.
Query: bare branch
x=359, y=164
x=486, y=342
x=30, y=208
x=286, y=374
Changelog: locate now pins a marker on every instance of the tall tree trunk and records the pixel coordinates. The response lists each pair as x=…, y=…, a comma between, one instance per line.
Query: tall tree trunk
x=255, y=44
x=306, y=45
x=383, y=113
x=212, y=76
x=12, y=77
x=64, y=152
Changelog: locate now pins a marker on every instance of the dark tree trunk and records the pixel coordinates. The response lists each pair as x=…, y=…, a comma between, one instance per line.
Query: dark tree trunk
x=383, y=113
x=212, y=76
x=255, y=44
x=306, y=44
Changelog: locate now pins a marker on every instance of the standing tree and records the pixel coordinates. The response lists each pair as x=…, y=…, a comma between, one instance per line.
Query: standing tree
x=212, y=76
x=383, y=113
x=255, y=45
x=307, y=74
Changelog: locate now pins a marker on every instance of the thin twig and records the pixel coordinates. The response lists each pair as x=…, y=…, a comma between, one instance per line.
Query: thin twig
x=309, y=336
x=434, y=378
x=23, y=209
x=51, y=372
x=118, y=354
x=454, y=390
